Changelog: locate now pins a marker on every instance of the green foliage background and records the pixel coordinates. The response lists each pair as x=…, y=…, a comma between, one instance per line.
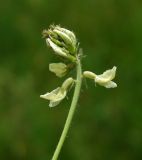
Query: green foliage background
x=108, y=123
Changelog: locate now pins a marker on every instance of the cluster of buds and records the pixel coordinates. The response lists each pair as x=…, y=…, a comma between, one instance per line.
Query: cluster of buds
x=62, y=41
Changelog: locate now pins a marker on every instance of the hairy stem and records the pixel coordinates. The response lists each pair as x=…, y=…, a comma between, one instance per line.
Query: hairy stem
x=71, y=111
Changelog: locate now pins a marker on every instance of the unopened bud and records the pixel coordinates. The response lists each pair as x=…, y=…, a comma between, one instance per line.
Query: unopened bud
x=58, y=50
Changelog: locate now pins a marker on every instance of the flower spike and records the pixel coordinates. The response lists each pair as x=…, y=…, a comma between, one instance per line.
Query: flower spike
x=64, y=44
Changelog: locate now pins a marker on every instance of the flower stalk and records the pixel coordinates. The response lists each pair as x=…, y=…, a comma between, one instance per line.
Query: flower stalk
x=71, y=111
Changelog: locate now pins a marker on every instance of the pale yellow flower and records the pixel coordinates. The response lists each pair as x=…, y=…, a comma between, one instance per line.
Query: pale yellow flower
x=59, y=69
x=104, y=79
x=58, y=94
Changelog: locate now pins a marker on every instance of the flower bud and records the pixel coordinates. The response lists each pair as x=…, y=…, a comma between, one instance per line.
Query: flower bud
x=70, y=34
x=58, y=50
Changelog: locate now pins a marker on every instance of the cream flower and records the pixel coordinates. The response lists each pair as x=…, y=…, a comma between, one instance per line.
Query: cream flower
x=59, y=69
x=58, y=94
x=104, y=79
x=55, y=96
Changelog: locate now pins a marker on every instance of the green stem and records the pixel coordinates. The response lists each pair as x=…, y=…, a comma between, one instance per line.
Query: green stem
x=71, y=111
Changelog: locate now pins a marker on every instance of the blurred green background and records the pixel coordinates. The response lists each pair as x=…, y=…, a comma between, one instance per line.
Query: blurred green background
x=108, y=123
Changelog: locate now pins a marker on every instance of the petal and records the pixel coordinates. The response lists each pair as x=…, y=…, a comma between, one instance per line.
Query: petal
x=110, y=84
x=106, y=76
x=50, y=95
x=53, y=104
x=60, y=95
x=58, y=68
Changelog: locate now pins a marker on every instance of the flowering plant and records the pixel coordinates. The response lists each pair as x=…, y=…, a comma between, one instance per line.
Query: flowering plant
x=64, y=44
